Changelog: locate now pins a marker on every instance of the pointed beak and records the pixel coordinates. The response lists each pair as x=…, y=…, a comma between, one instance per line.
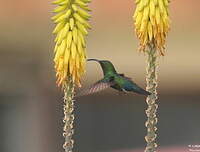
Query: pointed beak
x=93, y=60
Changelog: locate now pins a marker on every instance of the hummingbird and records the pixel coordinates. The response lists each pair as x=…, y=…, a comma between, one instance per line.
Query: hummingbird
x=114, y=80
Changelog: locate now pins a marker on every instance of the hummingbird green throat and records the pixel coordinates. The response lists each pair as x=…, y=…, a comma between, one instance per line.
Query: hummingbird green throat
x=114, y=80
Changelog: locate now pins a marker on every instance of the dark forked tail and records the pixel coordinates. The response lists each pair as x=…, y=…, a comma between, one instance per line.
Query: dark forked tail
x=143, y=92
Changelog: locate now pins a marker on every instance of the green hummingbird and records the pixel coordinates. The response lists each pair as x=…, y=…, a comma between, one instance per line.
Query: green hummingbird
x=114, y=80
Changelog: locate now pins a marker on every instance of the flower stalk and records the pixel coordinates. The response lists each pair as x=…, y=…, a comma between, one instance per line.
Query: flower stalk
x=151, y=20
x=68, y=119
x=152, y=82
x=71, y=29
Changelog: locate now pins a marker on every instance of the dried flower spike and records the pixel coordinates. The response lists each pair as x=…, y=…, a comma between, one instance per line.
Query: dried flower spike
x=152, y=23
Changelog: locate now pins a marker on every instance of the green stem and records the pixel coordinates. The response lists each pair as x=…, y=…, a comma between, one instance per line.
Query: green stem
x=68, y=119
x=152, y=82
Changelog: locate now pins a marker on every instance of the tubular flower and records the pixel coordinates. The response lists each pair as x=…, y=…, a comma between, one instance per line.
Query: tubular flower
x=152, y=23
x=71, y=21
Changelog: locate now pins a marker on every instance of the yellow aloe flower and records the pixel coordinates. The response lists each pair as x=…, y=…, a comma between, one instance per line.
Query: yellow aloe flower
x=152, y=23
x=71, y=21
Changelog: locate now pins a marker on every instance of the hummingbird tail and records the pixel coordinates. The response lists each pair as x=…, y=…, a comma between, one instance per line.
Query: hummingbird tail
x=143, y=92
x=146, y=93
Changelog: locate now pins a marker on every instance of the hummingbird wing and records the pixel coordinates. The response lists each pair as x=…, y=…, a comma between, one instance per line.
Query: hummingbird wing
x=96, y=87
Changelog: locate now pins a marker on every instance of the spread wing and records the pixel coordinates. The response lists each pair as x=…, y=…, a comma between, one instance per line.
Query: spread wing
x=97, y=87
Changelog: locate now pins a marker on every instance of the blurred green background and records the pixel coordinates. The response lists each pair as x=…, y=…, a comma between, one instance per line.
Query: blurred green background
x=31, y=105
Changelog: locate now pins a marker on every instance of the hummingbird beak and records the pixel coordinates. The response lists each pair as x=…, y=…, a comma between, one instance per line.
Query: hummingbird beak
x=93, y=60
